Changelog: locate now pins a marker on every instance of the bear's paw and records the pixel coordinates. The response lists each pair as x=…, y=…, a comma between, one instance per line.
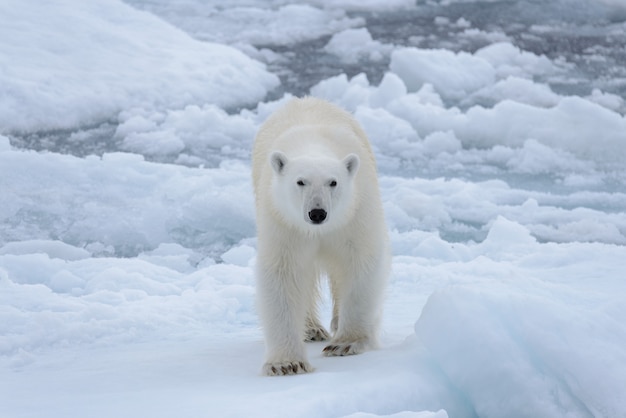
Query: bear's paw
x=344, y=349
x=316, y=334
x=285, y=368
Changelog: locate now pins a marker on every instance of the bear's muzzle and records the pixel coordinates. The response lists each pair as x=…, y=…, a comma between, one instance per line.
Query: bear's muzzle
x=317, y=216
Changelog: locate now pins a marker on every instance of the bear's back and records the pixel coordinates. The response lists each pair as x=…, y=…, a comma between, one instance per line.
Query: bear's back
x=304, y=111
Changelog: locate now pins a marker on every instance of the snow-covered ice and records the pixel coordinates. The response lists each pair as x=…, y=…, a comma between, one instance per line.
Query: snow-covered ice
x=352, y=45
x=127, y=231
x=67, y=64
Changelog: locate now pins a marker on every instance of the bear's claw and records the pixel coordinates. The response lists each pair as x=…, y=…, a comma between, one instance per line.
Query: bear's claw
x=347, y=348
x=339, y=350
x=316, y=334
x=286, y=368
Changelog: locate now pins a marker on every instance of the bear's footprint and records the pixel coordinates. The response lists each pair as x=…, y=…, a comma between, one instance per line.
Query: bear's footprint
x=285, y=368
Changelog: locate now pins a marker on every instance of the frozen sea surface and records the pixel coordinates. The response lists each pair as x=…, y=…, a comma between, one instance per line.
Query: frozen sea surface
x=127, y=230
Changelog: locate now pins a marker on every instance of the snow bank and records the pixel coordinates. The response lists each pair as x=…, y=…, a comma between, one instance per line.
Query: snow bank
x=518, y=353
x=527, y=346
x=62, y=302
x=53, y=249
x=461, y=210
x=186, y=135
x=454, y=75
x=524, y=110
x=108, y=57
x=568, y=126
x=458, y=75
x=122, y=205
x=521, y=328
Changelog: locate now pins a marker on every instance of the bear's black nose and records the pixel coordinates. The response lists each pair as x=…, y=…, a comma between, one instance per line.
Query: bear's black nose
x=317, y=216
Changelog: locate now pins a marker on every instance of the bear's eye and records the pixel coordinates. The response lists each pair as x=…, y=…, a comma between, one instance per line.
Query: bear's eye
x=333, y=183
x=300, y=183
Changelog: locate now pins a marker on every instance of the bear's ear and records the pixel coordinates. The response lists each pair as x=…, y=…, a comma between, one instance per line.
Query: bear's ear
x=278, y=161
x=351, y=162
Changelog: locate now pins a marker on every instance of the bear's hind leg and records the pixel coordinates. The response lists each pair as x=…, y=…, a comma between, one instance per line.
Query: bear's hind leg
x=315, y=331
x=337, y=348
x=334, y=287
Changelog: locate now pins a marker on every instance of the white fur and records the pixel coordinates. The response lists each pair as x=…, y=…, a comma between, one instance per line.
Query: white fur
x=311, y=158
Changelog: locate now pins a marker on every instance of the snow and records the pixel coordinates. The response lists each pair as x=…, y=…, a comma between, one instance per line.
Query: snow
x=352, y=45
x=58, y=79
x=127, y=230
x=533, y=339
x=453, y=75
x=457, y=75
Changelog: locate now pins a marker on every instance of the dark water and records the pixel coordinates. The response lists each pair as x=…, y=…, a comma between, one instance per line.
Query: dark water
x=586, y=36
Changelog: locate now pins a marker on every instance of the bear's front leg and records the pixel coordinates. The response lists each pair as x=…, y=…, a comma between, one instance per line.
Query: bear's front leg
x=356, y=326
x=282, y=309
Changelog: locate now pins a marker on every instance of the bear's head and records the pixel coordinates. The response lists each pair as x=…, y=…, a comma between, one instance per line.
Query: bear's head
x=310, y=191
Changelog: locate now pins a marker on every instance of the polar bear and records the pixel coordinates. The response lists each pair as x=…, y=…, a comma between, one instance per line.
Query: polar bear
x=319, y=213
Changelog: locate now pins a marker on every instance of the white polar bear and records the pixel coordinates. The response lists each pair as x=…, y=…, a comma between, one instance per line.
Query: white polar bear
x=318, y=212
